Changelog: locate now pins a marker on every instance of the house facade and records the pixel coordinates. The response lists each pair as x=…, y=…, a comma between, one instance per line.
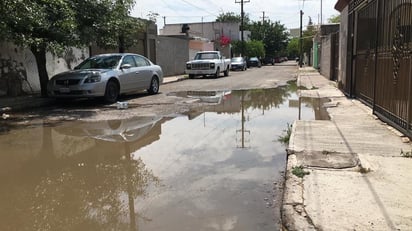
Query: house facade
x=220, y=34
x=376, y=57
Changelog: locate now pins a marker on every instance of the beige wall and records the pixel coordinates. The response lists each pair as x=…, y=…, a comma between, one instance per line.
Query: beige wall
x=172, y=54
x=199, y=45
x=209, y=30
x=18, y=68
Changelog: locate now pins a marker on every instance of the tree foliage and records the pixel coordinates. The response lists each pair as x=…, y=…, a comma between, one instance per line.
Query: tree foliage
x=53, y=25
x=273, y=35
x=252, y=48
x=293, y=48
x=233, y=17
x=334, y=19
x=308, y=37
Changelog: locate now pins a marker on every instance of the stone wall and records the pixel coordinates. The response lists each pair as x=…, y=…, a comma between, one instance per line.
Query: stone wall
x=325, y=61
x=18, y=68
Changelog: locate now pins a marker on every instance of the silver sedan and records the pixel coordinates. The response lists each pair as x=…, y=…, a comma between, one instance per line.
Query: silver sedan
x=107, y=76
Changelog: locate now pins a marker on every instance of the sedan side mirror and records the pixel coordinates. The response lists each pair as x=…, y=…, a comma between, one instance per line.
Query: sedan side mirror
x=126, y=66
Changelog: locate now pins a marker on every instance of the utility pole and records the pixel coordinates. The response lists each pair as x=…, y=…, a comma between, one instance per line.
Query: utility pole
x=242, y=15
x=301, y=41
x=263, y=17
x=321, y=9
x=164, y=20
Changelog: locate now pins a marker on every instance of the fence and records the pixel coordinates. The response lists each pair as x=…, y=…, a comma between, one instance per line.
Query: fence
x=381, y=58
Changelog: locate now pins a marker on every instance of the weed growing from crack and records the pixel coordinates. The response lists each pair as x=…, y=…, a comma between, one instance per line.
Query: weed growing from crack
x=299, y=172
x=284, y=139
x=324, y=152
x=364, y=170
x=406, y=154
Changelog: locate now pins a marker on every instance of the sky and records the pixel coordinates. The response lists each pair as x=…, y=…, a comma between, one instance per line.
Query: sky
x=196, y=11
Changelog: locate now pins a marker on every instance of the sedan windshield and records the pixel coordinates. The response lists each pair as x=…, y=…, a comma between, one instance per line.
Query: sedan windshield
x=206, y=56
x=100, y=62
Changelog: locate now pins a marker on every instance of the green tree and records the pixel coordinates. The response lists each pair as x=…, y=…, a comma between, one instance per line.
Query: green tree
x=293, y=47
x=53, y=25
x=273, y=35
x=255, y=48
x=334, y=19
x=232, y=17
x=308, y=37
x=252, y=48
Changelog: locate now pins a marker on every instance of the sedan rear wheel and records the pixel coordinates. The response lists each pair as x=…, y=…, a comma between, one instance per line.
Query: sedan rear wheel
x=112, y=92
x=154, y=86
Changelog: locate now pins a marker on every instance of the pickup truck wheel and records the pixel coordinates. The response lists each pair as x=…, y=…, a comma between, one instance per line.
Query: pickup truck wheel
x=227, y=71
x=217, y=73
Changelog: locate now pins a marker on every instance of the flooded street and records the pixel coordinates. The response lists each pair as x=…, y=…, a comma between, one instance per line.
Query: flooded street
x=219, y=167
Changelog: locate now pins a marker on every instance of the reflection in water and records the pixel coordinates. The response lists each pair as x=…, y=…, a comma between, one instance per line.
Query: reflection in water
x=81, y=178
x=216, y=167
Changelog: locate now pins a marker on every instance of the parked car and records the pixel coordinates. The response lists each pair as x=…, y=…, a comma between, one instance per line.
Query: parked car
x=254, y=62
x=208, y=63
x=107, y=76
x=238, y=63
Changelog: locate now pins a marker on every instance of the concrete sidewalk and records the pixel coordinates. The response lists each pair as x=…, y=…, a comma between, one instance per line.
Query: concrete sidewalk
x=8, y=104
x=357, y=178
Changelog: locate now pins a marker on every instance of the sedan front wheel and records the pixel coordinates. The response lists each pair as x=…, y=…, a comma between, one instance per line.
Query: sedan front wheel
x=154, y=86
x=112, y=92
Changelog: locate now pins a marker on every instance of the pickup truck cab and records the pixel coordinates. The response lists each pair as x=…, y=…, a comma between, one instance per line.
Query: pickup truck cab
x=208, y=63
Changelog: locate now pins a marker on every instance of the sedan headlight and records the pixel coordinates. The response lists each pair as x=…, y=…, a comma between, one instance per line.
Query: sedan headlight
x=93, y=79
x=188, y=66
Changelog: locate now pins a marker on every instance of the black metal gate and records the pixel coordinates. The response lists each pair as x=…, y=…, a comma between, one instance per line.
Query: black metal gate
x=365, y=52
x=382, y=58
x=334, y=72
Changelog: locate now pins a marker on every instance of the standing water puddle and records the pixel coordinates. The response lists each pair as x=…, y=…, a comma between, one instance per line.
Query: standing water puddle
x=218, y=168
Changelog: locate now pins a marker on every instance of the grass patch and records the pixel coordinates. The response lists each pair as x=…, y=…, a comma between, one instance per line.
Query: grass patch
x=364, y=170
x=299, y=172
x=284, y=139
x=406, y=154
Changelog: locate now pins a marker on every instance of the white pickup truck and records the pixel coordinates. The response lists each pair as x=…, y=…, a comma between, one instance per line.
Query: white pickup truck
x=208, y=63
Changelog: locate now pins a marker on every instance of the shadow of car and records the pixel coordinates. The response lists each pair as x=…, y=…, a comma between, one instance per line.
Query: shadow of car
x=107, y=76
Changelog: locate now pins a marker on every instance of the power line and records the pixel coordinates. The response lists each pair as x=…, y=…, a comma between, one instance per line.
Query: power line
x=199, y=8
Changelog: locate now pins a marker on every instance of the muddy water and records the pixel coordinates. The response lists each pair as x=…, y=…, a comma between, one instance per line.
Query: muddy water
x=217, y=168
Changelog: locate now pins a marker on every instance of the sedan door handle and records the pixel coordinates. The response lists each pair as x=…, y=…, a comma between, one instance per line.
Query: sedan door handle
x=137, y=72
